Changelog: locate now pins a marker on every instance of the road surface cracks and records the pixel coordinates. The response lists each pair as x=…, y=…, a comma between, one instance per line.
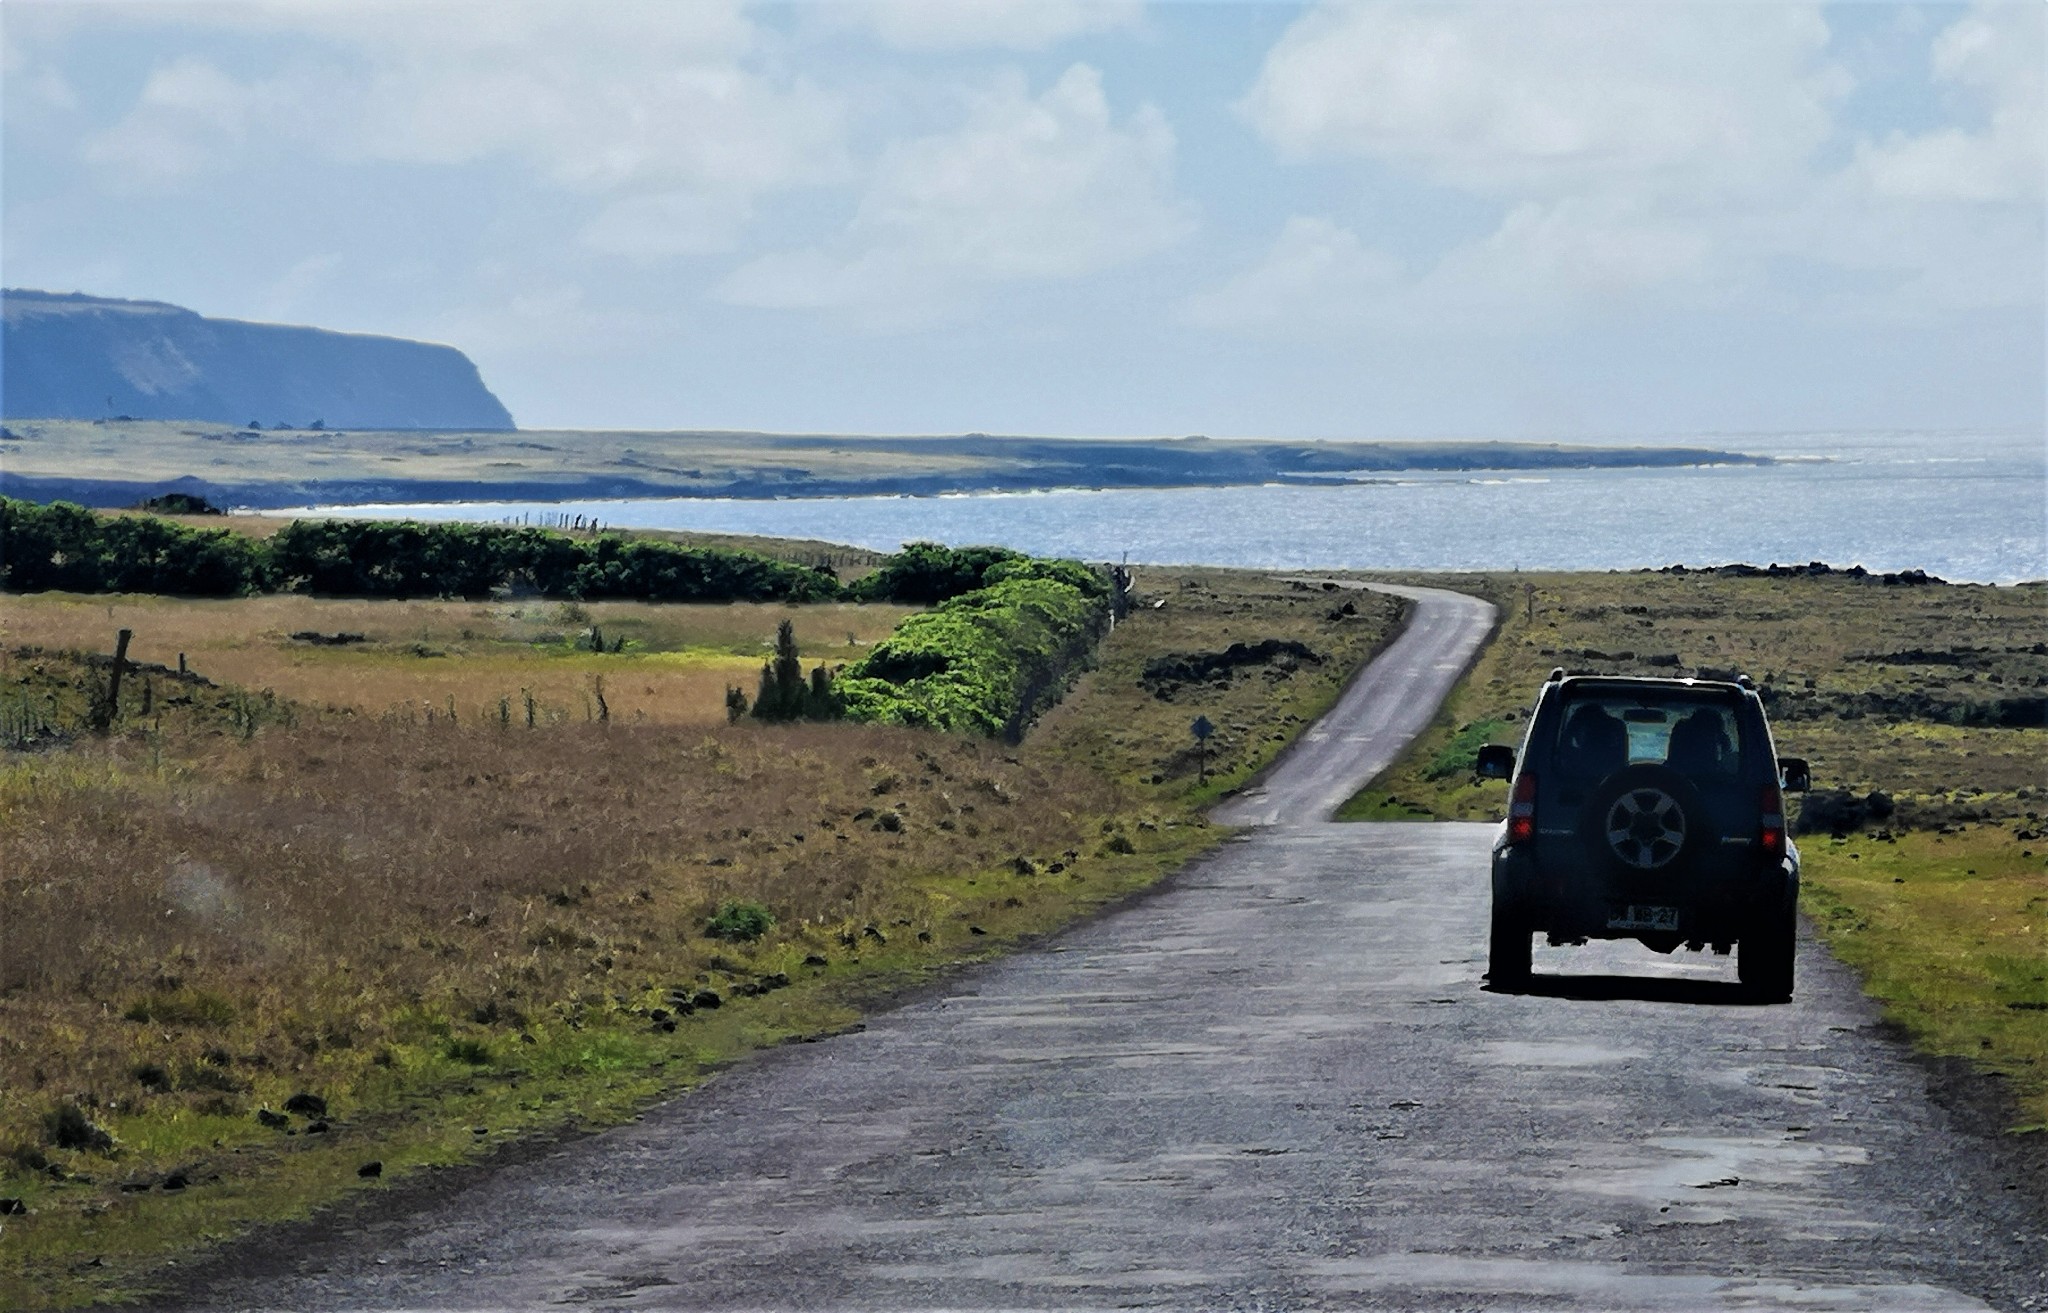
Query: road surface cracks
x=1277, y=1082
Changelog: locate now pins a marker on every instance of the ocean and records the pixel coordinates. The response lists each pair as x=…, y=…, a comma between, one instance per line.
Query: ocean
x=1967, y=507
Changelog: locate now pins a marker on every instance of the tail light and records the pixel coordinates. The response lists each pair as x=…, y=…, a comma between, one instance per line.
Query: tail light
x=1772, y=823
x=1522, y=809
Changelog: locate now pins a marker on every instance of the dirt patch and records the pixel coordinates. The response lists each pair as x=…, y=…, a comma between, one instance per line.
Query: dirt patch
x=1166, y=674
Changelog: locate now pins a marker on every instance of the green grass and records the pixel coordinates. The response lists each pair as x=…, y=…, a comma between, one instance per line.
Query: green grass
x=1382, y=805
x=1137, y=732
x=1950, y=933
x=1458, y=755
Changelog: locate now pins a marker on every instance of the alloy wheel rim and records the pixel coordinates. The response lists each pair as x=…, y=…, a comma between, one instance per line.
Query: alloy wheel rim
x=1646, y=828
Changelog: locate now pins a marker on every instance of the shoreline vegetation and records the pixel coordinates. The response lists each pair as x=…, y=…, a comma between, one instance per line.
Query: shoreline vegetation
x=1922, y=708
x=122, y=462
x=376, y=886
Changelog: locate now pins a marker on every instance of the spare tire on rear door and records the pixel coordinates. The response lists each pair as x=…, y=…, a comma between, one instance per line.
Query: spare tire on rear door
x=1643, y=820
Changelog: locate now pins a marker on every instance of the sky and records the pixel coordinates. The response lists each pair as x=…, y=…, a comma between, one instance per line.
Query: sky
x=1531, y=219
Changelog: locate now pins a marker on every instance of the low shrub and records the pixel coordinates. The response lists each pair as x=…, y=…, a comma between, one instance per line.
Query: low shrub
x=470, y=1052
x=739, y=922
x=986, y=661
x=67, y=1127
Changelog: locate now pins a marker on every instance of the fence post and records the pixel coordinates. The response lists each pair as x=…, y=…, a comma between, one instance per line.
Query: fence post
x=108, y=712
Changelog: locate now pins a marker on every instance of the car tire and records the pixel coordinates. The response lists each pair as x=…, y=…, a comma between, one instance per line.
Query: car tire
x=1643, y=820
x=1507, y=950
x=1764, y=957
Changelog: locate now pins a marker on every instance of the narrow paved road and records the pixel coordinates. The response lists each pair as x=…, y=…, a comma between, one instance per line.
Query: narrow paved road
x=1275, y=1083
x=1390, y=702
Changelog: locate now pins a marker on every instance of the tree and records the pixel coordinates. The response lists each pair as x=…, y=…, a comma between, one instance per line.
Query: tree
x=783, y=692
x=925, y=574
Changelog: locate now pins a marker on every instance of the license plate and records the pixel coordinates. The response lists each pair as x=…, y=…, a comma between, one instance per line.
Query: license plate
x=1644, y=918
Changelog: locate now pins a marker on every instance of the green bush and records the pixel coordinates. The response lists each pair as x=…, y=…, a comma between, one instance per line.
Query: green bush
x=739, y=922
x=1073, y=574
x=61, y=546
x=402, y=558
x=470, y=1052
x=924, y=574
x=67, y=1127
x=986, y=661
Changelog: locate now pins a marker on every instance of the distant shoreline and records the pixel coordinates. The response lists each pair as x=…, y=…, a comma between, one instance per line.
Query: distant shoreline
x=112, y=463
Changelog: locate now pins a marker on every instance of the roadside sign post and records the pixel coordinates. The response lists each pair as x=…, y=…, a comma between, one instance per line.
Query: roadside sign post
x=1202, y=729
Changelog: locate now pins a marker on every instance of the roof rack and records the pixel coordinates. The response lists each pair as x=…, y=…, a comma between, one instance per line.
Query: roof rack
x=1555, y=675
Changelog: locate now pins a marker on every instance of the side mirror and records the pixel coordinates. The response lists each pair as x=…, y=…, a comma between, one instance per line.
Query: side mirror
x=1495, y=762
x=1792, y=773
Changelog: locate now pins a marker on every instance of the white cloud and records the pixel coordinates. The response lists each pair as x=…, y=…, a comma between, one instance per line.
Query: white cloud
x=678, y=113
x=1317, y=275
x=189, y=119
x=1548, y=98
x=32, y=83
x=1548, y=262
x=662, y=225
x=1655, y=157
x=1029, y=188
x=970, y=24
x=1994, y=58
x=294, y=294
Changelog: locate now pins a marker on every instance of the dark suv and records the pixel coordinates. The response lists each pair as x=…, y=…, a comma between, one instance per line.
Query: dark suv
x=1647, y=809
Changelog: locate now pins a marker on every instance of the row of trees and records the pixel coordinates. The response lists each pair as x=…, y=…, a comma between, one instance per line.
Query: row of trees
x=61, y=546
x=402, y=558
x=66, y=547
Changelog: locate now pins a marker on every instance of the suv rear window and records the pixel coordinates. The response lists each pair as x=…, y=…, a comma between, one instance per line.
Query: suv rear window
x=1600, y=731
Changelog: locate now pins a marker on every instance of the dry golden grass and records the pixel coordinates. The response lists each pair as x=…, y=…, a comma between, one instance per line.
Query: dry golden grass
x=231, y=901
x=679, y=658
x=434, y=927
x=306, y=903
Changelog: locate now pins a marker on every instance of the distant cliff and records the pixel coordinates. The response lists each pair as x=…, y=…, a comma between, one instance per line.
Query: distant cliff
x=88, y=357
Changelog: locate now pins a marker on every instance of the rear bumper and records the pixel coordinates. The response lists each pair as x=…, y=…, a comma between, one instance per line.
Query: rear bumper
x=1573, y=904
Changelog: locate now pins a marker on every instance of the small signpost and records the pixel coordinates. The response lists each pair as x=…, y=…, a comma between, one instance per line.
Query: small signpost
x=1202, y=729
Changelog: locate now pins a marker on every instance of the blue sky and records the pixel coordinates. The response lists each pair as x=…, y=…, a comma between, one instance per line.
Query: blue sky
x=1049, y=216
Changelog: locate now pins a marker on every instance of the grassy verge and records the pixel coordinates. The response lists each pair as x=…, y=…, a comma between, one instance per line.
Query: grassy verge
x=1131, y=722
x=1950, y=933
x=262, y=950
x=1940, y=898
